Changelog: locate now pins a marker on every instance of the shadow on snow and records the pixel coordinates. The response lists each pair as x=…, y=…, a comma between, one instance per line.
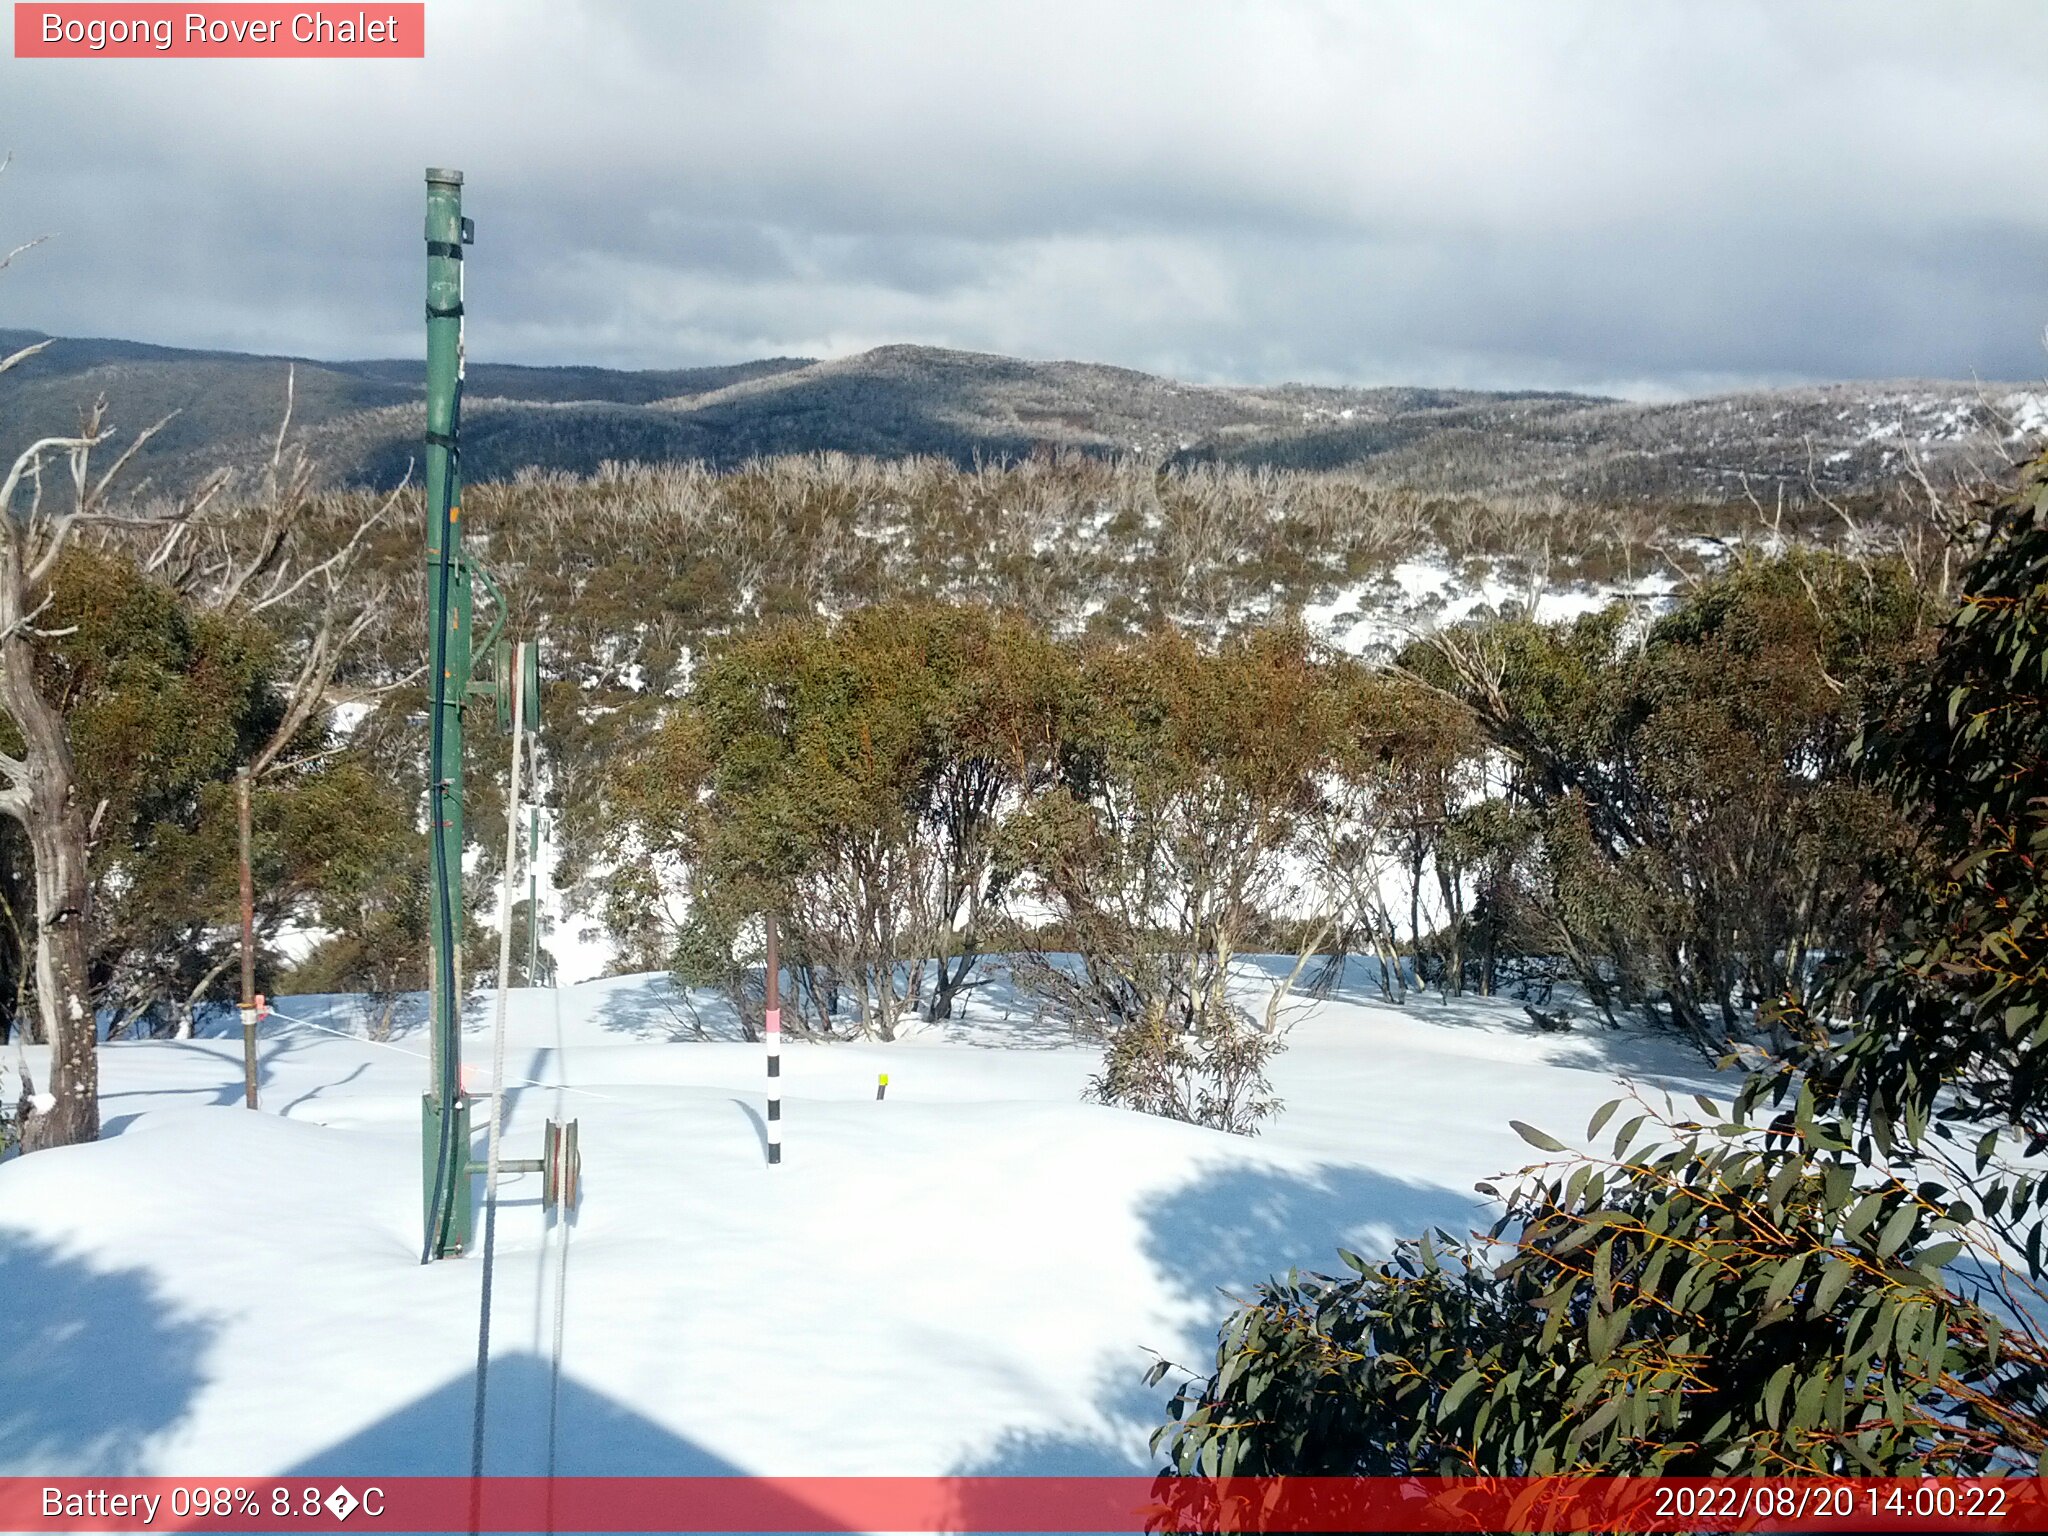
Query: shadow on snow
x=595, y=1436
x=124, y=1361
x=1215, y=1239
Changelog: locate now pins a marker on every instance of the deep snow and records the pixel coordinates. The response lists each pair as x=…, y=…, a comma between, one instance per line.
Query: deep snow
x=967, y=1277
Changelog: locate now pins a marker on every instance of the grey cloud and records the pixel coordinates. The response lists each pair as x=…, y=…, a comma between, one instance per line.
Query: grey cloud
x=1457, y=193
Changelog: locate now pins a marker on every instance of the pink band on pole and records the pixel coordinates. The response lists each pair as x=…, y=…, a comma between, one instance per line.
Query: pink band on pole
x=774, y=1021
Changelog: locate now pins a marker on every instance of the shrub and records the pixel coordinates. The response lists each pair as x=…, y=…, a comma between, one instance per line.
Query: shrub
x=1791, y=1294
x=1736, y=1301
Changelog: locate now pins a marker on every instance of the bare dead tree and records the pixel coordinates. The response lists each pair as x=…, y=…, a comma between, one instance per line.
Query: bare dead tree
x=51, y=500
x=40, y=788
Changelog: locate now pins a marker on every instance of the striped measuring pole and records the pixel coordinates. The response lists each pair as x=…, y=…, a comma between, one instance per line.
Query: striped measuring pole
x=773, y=1032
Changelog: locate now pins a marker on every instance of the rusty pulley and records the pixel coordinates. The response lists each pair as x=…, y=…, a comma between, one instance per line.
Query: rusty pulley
x=561, y=1167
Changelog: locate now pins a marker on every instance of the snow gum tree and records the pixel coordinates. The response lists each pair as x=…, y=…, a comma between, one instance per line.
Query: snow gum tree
x=1839, y=1273
x=850, y=777
x=1699, y=835
x=1182, y=820
x=96, y=599
x=40, y=793
x=160, y=701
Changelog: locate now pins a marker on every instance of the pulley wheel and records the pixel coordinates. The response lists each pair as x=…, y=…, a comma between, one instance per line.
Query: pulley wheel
x=562, y=1173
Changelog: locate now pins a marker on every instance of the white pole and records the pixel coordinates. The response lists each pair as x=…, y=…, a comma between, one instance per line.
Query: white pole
x=505, y=930
x=483, y=1335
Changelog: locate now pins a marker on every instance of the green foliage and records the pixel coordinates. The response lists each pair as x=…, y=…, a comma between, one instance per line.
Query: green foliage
x=848, y=777
x=898, y=785
x=1726, y=1302
x=635, y=574
x=1699, y=832
x=163, y=697
x=1184, y=777
x=339, y=850
x=1956, y=998
x=1851, y=1285
x=165, y=700
x=1188, y=780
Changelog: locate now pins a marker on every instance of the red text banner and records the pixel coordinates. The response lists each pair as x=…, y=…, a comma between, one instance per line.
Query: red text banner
x=220, y=31
x=1051, y=1504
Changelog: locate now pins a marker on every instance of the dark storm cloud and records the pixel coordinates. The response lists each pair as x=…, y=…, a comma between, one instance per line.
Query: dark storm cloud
x=1642, y=197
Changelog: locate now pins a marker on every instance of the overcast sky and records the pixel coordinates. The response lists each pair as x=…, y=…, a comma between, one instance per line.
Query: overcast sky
x=1638, y=197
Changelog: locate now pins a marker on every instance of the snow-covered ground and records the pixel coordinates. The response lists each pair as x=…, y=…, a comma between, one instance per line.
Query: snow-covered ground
x=965, y=1277
x=1418, y=596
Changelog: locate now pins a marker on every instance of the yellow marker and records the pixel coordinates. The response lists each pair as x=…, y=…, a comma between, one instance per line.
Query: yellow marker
x=881, y=1086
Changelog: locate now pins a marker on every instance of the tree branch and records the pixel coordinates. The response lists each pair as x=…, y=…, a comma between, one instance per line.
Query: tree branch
x=141, y=440
x=13, y=359
x=32, y=456
x=340, y=558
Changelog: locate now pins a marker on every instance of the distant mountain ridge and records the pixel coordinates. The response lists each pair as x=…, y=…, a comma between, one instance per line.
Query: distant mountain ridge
x=362, y=420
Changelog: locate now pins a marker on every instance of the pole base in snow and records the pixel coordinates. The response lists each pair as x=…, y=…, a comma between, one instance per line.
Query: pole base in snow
x=455, y=1236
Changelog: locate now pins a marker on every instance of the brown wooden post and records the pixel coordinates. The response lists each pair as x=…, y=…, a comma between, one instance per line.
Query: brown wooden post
x=248, y=944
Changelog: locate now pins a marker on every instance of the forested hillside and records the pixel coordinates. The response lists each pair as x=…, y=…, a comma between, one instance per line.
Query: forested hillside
x=363, y=421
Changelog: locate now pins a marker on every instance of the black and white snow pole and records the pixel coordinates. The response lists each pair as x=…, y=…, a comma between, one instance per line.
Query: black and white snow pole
x=772, y=1030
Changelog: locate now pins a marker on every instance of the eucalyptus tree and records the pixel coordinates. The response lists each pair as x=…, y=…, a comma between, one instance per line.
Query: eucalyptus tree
x=253, y=559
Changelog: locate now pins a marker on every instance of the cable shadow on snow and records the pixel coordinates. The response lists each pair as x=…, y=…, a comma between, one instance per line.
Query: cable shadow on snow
x=230, y=1090
x=1215, y=1238
x=361, y=1070
x=125, y=1360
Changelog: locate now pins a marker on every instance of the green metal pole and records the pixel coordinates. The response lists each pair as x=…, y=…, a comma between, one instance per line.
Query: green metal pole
x=447, y=1196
